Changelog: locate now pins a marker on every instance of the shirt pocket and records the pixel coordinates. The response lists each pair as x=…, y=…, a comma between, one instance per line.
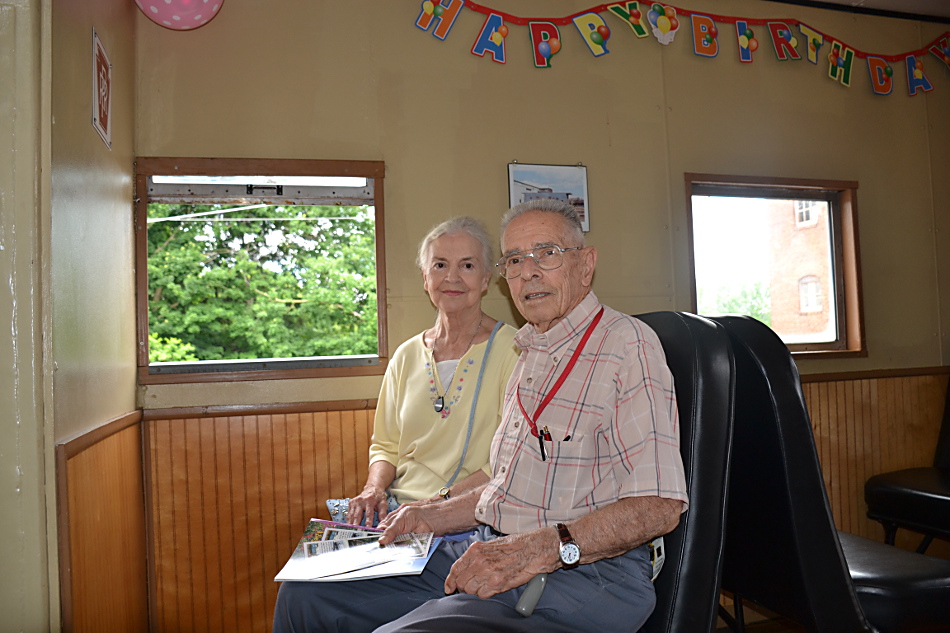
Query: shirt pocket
x=574, y=460
x=569, y=471
x=575, y=451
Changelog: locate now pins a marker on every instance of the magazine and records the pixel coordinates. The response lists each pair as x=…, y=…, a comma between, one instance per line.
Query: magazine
x=330, y=551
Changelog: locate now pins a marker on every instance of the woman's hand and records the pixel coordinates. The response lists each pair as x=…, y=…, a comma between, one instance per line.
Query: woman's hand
x=373, y=498
x=362, y=507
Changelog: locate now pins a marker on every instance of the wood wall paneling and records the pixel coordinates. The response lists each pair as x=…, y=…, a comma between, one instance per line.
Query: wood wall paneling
x=230, y=496
x=103, y=530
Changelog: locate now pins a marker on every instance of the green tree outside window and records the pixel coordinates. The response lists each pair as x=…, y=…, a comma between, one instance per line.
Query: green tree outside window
x=229, y=282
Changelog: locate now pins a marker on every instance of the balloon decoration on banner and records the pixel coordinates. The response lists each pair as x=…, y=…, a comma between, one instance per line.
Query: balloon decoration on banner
x=433, y=9
x=180, y=15
x=664, y=21
x=548, y=48
x=600, y=35
x=500, y=34
x=786, y=35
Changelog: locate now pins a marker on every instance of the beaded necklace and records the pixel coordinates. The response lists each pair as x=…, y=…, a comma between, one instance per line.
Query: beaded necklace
x=439, y=403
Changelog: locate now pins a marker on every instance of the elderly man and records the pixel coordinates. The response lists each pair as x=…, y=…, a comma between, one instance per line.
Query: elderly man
x=586, y=470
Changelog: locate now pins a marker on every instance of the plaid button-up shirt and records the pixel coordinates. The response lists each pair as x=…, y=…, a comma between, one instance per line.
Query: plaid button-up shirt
x=617, y=409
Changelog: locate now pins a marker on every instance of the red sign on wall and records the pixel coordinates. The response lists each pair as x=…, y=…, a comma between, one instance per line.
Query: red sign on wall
x=101, y=90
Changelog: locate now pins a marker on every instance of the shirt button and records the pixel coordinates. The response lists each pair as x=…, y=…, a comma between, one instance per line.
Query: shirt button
x=517, y=424
x=502, y=469
x=555, y=359
x=529, y=380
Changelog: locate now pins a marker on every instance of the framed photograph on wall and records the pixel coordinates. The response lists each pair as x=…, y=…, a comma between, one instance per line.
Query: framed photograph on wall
x=561, y=182
x=101, y=90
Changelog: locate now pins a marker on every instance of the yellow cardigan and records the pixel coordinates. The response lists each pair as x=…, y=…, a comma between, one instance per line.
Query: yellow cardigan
x=424, y=445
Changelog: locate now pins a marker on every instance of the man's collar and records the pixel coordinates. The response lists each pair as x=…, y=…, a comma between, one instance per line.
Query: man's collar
x=575, y=321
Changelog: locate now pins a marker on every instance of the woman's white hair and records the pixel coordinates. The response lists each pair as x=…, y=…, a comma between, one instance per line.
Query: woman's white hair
x=462, y=225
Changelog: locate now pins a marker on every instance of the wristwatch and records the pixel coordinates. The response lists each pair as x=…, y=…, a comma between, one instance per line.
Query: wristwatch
x=570, y=553
x=444, y=492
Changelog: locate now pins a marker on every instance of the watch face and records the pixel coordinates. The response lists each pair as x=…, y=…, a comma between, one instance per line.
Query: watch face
x=570, y=553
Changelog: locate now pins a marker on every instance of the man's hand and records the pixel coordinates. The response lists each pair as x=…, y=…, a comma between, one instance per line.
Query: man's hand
x=406, y=518
x=508, y=562
x=445, y=516
x=504, y=563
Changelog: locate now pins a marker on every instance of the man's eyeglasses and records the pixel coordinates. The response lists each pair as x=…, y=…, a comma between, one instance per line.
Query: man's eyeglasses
x=546, y=258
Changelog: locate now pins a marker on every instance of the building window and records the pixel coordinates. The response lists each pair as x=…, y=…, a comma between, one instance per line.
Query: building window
x=809, y=294
x=750, y=256
x=259, y=269
x=805, y=214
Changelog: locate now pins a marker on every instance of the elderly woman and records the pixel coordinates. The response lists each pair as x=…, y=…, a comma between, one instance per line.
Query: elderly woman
x=441, y=398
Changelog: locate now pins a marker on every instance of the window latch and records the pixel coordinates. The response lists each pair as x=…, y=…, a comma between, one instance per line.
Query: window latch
x=262, y=189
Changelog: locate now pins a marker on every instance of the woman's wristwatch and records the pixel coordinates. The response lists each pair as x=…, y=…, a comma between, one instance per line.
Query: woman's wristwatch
x=444, y=492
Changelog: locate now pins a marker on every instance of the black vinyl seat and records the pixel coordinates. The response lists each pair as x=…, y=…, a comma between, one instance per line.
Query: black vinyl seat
x=782, y=550
x=917, y=499
x=700, y=358
x=898, y=590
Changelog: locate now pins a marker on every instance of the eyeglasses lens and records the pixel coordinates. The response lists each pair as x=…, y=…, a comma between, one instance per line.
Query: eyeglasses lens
x=547, y=258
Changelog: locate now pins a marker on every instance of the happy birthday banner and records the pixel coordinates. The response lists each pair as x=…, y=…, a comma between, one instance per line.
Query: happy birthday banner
x=666, y=21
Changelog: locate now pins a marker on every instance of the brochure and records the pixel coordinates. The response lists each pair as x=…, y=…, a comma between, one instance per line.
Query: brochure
x=331, y=551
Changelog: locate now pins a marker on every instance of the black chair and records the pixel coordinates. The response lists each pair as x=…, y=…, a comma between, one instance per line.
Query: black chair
x=782, y=550
x=916, y=499
x=700, y=358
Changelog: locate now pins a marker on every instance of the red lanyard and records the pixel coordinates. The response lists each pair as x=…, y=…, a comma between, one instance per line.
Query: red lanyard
x=532, y=423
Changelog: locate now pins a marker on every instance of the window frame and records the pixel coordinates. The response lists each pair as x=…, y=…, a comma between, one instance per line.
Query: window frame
x=843, y=220
x=271, y=370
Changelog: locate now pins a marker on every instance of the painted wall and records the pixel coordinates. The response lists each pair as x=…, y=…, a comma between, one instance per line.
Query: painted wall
x=68, y=365
x=358, y=80
x=90, y=256
x=25, y=581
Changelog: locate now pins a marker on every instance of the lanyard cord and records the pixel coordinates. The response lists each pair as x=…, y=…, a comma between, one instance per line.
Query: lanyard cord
x=471, y=416
x=532, y=423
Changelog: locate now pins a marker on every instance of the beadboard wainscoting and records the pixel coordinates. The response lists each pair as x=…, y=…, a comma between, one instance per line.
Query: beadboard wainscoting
x=102, y=529
x=228, y=498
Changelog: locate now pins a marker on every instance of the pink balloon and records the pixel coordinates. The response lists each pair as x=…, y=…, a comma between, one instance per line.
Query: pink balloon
x=180, y=15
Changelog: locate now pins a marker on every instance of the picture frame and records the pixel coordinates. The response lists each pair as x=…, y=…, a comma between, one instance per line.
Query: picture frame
x=101, y=90
x=561, y=182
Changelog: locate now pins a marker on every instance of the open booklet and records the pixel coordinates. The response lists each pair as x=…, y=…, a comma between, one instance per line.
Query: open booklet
x=331, y=551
